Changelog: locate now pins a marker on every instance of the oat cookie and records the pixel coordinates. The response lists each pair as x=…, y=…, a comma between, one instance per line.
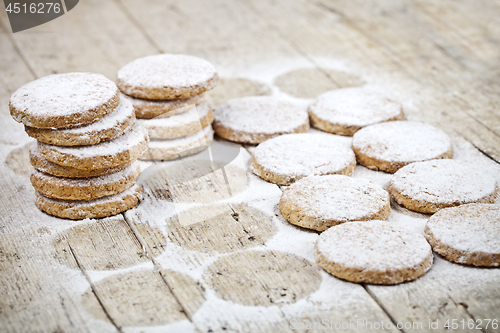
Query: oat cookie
x=42, y=164
x=429, y=186
x=183, y=124
x=108, y=154
x=346, y=111
x=109, y=127
x=376, y=252
x=258, y=118
x=172, y=149
x=290, y=157
x=467, y=234
x=85, y=188
x=64, y=100
x=83, y=209
x=150, y=108
x=166, y=76
x=391, y=145
x=321, y=202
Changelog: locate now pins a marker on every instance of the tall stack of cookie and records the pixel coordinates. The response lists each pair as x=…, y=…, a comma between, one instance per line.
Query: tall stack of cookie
x=167, y=93
x=87, y=144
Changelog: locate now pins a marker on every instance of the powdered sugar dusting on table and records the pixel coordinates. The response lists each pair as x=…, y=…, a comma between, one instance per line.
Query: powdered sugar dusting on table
x=166, y=70
x=443, y=181
x=261, y=114
x=336, y=197
x=130, y=139
x=470, y=228
x=304, y=154
x=374, y=245
x=402, y=141
x=64, y=94
x=354, y=107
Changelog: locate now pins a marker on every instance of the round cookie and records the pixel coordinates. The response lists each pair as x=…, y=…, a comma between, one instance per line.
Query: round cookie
x=321, y=202
x=467, y=234
x=42, y=164
x=376, y=252
x=85, y=188
x=166, y=150
x=391, y=145
x=166, y=76
x=121, y=150
x=290, y=157
x=258, y=118
x=179, y=125
x=149, y=108
x=64, y=100
x=346, y=111
x=83, y=209
x=109, y=127
x=427, y=187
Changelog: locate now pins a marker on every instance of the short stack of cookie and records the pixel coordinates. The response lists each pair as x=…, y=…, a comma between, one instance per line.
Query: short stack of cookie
x=87, y=145
x=167, y=93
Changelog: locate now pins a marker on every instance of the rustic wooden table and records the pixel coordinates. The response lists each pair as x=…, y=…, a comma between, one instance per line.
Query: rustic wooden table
x=157, y=268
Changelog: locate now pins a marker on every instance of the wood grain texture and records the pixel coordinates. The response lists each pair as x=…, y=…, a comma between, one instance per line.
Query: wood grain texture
x=157, y=266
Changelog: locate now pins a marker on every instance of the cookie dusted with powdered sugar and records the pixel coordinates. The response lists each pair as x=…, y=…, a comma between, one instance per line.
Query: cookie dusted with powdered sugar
x=108, y=154
x=321, y=202
x=258, y=118
x=183, y=124
x=288, y=158
x=150, y=108
x=85, y=188
x=64, y=100
x=42, y=164
x=376, y=252
x=467, y=234
x=109, y=127
x=172, y=149
x=391, y=145
x=346, y=111
x=429, y=186
x=166, y=76
x=96, y=208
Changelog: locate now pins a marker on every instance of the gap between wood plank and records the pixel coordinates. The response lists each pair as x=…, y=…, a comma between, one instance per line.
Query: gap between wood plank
x=139, y=27
x=375, y=298
x=118, y=328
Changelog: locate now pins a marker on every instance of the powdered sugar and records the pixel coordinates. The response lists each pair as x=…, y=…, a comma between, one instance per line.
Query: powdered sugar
x=300, y=155
x=132, y=170
x=261, y=114
x=166, y=70
x=402, y=141
x=471, y=228
x=443, y=181
x=373, y=245
x=63, y=94
x=336, y=197
x=133, y=138
x=124, y=111
x=354, y=107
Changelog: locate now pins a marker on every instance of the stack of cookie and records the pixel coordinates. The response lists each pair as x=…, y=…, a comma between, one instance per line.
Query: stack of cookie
x=87, y=144
x=167, y=93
